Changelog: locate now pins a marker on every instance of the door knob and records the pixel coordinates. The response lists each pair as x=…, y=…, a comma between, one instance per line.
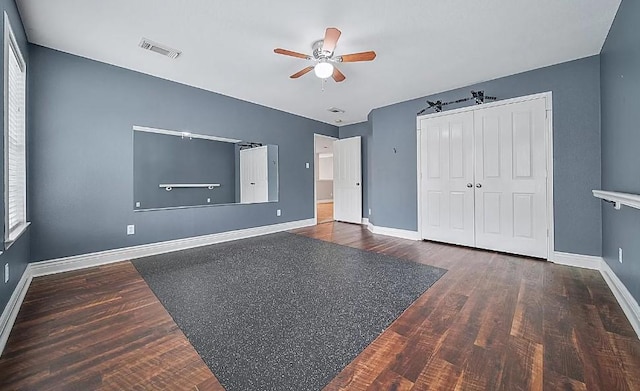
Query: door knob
x=469, y=184
x=478, y=185
x=358, y=184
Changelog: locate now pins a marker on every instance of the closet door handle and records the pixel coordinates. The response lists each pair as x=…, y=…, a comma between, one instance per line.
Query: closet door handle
x=478, y=185
x=469, y=184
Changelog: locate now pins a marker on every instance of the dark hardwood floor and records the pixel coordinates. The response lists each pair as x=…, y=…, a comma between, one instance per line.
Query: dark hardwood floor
x=492, y=322
x=99, y=328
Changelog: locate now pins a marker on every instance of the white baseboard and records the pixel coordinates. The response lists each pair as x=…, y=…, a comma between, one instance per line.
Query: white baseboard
x=327, y=201
x=627, y=302
x=577, y=260
x=60, y=265
x=395, y=232
x=365, y=221
x=82, y=261
x=8, y=317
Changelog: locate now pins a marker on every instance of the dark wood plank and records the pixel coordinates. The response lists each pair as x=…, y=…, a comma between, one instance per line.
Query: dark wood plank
x=391, y=381
x=523, y=365
x=437, y=375
x=527, y=319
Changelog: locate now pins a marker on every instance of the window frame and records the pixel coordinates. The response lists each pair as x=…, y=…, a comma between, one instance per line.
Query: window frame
x=11, y=44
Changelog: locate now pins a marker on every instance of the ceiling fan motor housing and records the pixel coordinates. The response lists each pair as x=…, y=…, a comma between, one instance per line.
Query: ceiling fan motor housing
x=317, y=50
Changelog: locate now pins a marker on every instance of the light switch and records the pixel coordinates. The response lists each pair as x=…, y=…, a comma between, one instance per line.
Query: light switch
x=307, y=165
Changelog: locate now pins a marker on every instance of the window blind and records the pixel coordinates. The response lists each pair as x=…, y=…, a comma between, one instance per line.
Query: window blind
x=15, y=146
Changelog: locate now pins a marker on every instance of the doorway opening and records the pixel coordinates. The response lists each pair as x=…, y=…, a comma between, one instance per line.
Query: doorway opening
x=323, y=178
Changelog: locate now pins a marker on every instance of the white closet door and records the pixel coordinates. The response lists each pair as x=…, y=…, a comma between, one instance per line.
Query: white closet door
x=446, y=166
x=347, y=180
x=510, y=173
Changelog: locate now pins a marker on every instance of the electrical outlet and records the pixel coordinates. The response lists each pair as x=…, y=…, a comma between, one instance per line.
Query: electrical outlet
x=138, y=204
x=208, y=199
x=6, y=273
x=620, y=254
x=278, y=212
x=307, y=165
x=131, y=229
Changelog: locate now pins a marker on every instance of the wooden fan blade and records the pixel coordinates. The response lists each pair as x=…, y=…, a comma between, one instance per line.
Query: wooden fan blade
x=330, y=39
x=300, y=73
x=290, y=53
x=364, y=56
x=337, y=75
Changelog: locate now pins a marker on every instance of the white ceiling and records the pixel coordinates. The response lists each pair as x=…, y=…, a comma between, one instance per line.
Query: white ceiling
x=423, y=46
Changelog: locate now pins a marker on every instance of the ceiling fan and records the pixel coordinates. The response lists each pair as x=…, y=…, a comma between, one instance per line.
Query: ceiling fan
x=325, y=58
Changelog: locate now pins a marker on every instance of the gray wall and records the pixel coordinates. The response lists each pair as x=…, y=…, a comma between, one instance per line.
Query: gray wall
x=161, y=158
x=620, y=81
x=17, y=255
x=362, y=129
x=576, y=126
x=81, y=114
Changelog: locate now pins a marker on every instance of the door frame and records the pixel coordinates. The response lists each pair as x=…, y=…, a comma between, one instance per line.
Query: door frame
x=315, y=174
x=549, y=156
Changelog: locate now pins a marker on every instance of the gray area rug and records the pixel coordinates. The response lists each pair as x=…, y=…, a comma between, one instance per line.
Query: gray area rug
x=282, y=311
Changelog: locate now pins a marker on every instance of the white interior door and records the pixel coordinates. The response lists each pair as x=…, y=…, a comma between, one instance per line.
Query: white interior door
x=254, y=177
x=446, y=167
x=260, y=174
x=246, y=190
x=510, y=176
x=347, y=180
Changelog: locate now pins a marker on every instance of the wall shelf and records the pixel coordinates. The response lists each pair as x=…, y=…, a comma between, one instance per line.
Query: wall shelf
x=619, y=199
x=169, y=186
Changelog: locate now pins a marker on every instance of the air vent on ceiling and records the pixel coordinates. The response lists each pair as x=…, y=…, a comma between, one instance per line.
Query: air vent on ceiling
x=159, y=48
x=335, y=110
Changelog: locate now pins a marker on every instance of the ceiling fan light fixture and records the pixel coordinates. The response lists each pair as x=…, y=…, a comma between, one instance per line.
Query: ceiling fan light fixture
x=323, y=69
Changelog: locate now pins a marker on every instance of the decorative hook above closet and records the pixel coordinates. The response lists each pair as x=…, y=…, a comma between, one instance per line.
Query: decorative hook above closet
x=478, y=96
